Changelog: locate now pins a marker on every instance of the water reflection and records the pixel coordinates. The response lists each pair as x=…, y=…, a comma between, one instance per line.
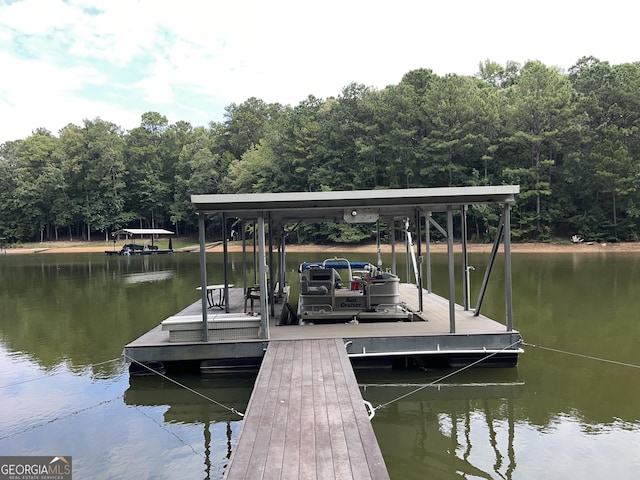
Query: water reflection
x=64, y=318
x=457, y=426
x=217, y=413
x=82, y=309
x=159, y=276
x=219, y=396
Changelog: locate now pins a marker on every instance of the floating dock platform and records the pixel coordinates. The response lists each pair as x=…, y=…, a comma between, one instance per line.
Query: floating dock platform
x=426, y=340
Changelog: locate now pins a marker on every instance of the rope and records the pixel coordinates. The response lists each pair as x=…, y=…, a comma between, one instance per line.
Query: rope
x=60, y=373
x=449, y=375
x=231, y=409
x=170, y=432
x=75, y=412
x=590, y=357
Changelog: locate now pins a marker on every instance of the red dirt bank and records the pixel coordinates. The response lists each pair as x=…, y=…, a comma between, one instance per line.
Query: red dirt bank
x=84, y=247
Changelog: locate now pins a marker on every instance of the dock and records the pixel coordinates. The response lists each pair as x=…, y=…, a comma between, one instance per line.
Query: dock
x=427, y=336
x=306, y=418
x=431, y=327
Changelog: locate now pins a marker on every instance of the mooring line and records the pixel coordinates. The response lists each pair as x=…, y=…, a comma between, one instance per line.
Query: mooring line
x=117, y=359
x=231, y=409
x=53, y=420
x=581, y=355
x=449, y=375
x=169, y=432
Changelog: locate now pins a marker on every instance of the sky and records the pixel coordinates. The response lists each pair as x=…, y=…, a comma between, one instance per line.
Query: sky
x=64, y=61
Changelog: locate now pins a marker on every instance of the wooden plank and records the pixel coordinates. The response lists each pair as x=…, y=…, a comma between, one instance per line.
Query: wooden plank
x=324, y=462
x=307, y=446
x=243, y=454
x=270, y=413
x=331, y=373
x=282, y=409
x=294, y=442
x=375, y=461
x=357, y=455
x=306, y=418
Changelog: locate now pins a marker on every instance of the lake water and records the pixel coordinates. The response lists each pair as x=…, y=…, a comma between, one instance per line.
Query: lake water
x=64, y=390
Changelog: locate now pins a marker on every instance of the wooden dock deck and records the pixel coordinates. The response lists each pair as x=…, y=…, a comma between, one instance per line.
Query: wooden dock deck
x=306, y=418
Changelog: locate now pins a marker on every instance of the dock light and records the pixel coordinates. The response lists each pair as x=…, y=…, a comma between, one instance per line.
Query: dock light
x=363, y=215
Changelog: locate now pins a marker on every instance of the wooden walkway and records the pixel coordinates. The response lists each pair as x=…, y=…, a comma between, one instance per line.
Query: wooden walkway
x=306, y=418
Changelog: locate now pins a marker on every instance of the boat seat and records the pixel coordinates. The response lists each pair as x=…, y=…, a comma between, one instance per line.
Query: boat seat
x=320, y=281
x=319, y=290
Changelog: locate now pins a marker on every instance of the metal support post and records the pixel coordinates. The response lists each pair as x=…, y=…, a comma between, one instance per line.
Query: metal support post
x=465, y=260
x=507, y=267
x=451, y=270
x=264, y=294
x=203, y=276
x=427, y=240
x=419, y=258
x=225, y=256
x=392, y=234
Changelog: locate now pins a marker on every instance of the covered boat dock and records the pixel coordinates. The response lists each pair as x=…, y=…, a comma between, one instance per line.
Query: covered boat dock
x=142, y=247
x=306, y=417
x=440, y=329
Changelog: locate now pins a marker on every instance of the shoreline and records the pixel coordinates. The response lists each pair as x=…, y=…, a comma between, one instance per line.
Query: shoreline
x=532, y=247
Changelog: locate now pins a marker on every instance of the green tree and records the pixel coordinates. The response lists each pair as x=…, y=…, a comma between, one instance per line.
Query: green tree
x=245, y=124
x=457, y=109
x=296, y=143
x=498, y=75
x=343, y=124
x=151, y=186
x=391, y=146
x=9, y=215
x=199, y=170
x=39, y=186
x=74, y=163
x=607, y=156
x=255, y=171
x=570, y=140
x=615, y=172
x=103, y=172
x=541, y=106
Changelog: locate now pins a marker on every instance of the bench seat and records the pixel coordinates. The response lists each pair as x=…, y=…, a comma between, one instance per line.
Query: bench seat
x=222, y=326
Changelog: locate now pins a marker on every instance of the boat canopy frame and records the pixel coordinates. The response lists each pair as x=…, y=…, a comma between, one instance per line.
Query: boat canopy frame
x=367, y=206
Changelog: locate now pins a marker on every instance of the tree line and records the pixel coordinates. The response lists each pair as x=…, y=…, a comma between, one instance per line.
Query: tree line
x=569, y=139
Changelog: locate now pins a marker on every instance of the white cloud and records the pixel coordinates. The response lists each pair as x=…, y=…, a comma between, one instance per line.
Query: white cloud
x=196, y=56
x=156, y=90
x=43, y=96
x=34, y=17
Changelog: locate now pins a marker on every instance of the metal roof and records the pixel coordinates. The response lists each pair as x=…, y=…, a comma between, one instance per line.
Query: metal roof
x=337, y=205
x=142, y=231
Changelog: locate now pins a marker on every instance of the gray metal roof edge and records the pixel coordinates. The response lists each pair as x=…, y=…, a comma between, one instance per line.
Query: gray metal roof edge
x=269, y=201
